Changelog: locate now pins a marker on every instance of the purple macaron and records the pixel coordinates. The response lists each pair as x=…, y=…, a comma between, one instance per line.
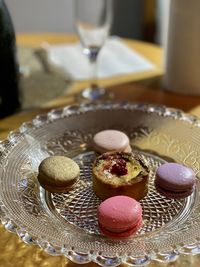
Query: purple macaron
x=174, y=180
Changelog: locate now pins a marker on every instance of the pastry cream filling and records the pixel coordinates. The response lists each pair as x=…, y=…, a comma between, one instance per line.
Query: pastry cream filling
x=133, y=169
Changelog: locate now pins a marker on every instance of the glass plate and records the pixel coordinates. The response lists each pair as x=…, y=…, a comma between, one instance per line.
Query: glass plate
x=66, y=224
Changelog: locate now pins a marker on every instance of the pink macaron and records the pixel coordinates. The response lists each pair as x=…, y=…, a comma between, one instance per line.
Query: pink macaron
x=111, y=140
x=175, y=180
x=119, y=216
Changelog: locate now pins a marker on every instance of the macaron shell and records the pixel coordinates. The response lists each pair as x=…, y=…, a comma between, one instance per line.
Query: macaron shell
x=119, y=213
x=173, y=194
x=175, y=177
x=110, y=140
x=124, y=234
x=57, y=189
x=58, y=171
x=128, y=149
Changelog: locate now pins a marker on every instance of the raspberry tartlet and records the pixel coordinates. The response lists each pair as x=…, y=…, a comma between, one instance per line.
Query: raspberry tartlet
x=120, y=173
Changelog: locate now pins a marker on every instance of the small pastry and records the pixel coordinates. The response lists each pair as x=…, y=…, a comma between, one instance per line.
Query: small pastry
x=111, y=140
x=174, y=180
x=58, y=174
x=119, y=216
x=120, y=173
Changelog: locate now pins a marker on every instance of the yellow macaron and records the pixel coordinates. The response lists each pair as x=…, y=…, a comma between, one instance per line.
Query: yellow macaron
x=58, y=174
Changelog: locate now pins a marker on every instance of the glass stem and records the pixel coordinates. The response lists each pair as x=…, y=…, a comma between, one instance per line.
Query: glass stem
x=93, y=79
x=93, y=55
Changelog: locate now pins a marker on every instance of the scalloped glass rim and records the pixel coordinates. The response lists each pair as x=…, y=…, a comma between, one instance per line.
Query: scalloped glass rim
x=84, y=250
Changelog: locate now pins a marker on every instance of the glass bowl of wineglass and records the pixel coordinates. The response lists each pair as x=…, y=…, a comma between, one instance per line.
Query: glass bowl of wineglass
x=93, y=20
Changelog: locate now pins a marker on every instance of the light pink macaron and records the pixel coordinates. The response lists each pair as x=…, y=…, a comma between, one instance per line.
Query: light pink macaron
x=119, y=216
x=111, y=140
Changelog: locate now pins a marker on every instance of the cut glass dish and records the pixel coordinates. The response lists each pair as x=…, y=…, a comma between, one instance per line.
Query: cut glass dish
x=66, y=224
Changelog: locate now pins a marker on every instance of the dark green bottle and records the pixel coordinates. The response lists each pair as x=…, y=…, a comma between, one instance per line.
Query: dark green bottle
x=9, y=68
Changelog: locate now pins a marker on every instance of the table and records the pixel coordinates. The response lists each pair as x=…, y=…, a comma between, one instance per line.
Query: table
x=142, y=87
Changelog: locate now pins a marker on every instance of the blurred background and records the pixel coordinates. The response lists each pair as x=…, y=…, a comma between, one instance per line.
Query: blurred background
x=138, y=19
x=144, y=20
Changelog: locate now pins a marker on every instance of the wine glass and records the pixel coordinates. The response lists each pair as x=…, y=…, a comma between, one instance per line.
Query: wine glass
x=93, y=21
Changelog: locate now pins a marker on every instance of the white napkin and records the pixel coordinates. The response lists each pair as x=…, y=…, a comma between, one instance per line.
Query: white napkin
x=114, y=59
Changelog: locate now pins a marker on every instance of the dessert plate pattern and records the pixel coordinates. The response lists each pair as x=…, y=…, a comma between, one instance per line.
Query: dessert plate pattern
x=66, y=224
